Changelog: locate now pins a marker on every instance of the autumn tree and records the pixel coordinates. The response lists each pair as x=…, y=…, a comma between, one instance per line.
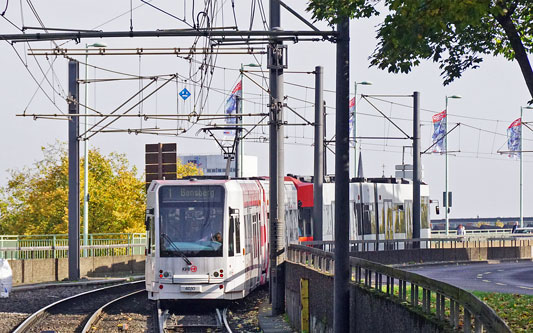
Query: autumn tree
x=456, y=34
x=35, y=199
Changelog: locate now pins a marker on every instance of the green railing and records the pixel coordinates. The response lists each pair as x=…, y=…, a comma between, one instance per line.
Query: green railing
x=56, y=246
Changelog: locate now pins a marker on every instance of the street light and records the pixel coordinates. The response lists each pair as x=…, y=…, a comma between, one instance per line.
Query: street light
x=446, y=198
x=239, y=145
x=354, y=115
x=521, y=166
x=86, y=153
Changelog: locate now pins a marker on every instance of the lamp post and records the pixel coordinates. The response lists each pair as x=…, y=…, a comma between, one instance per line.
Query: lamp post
x=446, y=196
x=239, y=145
x=86, y=154
x=521, y=165
x=354, y=117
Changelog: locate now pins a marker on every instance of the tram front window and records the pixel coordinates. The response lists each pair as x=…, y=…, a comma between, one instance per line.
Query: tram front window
x=191, y=220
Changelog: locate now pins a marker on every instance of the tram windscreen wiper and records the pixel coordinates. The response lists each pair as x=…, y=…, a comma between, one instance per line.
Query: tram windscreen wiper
x=180, y=252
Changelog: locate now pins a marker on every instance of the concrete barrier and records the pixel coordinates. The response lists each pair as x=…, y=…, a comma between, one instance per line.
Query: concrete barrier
x=369, y=312
x=446, y=254
x=47, y=270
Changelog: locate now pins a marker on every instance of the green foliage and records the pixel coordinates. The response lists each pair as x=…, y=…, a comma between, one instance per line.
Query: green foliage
x=189, y=169
x=514, y=309
x=456, y=34
x=35, y=199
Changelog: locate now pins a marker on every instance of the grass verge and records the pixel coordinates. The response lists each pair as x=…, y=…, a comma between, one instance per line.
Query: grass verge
x=515, y=309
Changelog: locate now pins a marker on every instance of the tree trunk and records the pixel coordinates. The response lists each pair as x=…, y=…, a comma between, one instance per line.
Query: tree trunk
x=519, y=50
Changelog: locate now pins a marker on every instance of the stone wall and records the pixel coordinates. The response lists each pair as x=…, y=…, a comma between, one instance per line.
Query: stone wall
x=47, y=270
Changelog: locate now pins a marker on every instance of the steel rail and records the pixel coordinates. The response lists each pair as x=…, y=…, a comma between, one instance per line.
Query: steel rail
x=34, y=318
x=225, y=320
x=97, y=314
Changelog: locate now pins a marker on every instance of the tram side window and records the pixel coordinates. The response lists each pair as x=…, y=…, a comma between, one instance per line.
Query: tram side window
x=151, y=234
x=367, y=220
x=231, y=247
x=424, y=210
x=237, y=235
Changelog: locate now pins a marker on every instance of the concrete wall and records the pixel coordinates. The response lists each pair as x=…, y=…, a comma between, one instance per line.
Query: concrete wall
x=369, y=312
x=436, y=255
x=46, y=270
x=320, y=297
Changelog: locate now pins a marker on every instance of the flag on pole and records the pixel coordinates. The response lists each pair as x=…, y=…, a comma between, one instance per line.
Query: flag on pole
x=514, y=132
x=352, y=110
x=231, y=106
x=439, y=131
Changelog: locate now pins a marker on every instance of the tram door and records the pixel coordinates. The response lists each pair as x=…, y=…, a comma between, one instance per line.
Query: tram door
x=255, y=250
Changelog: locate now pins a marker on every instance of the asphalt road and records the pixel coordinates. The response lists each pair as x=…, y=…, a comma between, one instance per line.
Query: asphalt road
x=513, y=278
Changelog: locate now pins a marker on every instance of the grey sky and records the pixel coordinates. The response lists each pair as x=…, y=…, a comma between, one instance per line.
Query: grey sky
x=483, y=182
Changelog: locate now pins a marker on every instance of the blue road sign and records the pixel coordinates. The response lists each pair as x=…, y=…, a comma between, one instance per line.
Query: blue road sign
x=185, y=94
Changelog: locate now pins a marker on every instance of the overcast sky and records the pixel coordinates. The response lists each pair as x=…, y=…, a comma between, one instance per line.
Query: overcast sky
x=483, y=182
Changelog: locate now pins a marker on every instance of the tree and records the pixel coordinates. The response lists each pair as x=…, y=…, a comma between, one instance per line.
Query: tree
x=189, y=169
x=35, y=200
x=454, y=33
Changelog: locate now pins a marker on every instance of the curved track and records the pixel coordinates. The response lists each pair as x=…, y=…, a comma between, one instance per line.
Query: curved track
x=72, y=313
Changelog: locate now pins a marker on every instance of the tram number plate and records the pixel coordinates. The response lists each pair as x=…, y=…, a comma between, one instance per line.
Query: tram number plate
x=191, y=289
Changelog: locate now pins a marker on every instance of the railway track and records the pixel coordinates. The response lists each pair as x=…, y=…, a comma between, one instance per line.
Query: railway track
x=73, y=313
x=193, y=320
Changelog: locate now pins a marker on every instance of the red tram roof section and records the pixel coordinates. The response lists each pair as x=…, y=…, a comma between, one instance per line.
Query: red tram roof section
x=304, y=192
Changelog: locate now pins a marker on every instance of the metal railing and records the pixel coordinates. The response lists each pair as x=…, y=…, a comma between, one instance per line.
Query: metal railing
x=453, y=232
x=438, y=299
x=56, y=246
x=426, y=243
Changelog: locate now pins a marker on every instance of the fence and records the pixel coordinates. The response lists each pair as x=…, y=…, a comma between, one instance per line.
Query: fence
x=453, y=232
x=426, y=243
x=434, y=298
x=56, y=246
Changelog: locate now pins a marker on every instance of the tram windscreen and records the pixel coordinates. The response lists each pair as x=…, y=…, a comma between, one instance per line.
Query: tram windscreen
x=191, y=221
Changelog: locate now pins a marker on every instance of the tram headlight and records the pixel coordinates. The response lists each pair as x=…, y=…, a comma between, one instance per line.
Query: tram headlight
x=215, y=274
x=166, y=274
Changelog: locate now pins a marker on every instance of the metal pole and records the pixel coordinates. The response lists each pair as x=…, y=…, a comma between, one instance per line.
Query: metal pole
x=325, y=154
x=277, y=192
x=445, y=199
x=417, y=174
x=354, y=115
x=237, y=137
x=521, y=171
x=341, y=318
x=318, y=178
x=73, y=173
x=86, y=162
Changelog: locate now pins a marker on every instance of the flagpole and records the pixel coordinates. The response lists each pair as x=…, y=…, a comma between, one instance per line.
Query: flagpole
x=521, y=174
x=445, y=201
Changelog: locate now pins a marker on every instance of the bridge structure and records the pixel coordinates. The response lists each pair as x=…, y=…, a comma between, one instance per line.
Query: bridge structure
x=384, y=297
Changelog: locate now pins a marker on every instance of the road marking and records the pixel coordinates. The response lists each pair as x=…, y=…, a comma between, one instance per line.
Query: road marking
x=487, y=272
x=525, y=287
x=501, y=284
x=480, y=276
x=500, y=270
x=485, y=280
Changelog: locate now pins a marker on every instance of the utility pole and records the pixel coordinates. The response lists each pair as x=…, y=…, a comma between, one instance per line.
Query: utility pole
x=276, y=64
x=417, y=167
x=318, y=178
x=341, y=317
x=73, y=172
x=238, y=144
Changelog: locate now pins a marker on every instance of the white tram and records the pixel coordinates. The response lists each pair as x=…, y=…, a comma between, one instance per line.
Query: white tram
x=208, y=238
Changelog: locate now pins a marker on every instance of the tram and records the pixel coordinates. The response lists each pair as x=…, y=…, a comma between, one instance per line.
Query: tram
x=208, y=238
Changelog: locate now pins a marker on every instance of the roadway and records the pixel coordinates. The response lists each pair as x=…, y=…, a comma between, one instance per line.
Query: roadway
x=512, y=277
